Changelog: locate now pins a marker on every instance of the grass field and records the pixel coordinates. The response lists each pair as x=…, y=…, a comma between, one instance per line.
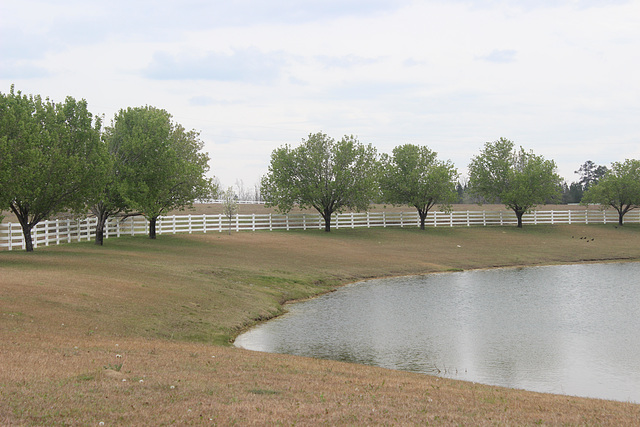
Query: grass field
x=138, y=331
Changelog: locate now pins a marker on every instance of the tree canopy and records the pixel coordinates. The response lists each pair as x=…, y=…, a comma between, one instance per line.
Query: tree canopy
x=414, y=176
x=53, y=160
x=159, y=164
x=323, y=174
x=590, y=173
x=619, y=188
x=520, y=179
x=229, y=205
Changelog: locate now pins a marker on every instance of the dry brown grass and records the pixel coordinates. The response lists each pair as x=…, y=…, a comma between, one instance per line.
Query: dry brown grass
x=67, y=312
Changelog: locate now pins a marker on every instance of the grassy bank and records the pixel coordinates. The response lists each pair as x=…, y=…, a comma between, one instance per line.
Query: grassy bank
x=77, y=320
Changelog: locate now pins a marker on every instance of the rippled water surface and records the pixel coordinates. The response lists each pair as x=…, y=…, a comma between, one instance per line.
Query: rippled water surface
x=561, y=329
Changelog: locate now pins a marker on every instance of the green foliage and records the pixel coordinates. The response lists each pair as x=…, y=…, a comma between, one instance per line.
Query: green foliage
x=590, y=173
x=52, y=158
x=160, y=165
x=519, y=179
x=619, y=188
x=109, y=200
x=413, y=176
x=323, y=174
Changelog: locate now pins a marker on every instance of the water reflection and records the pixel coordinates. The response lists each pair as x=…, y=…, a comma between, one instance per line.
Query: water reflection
x=560, y=329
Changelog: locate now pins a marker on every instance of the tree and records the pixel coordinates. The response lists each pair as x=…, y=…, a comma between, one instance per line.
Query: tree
x=160, y=165
x=415, y=177
x=322, y=173
x=5, y=161
x=57, y=160
x=572, y=193
x=109, y=201
x=619, y=188
x=519, y=179
x=230, y=205
x=590, y=173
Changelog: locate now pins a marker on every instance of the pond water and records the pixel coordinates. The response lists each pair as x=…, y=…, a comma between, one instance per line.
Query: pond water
x=571, y=330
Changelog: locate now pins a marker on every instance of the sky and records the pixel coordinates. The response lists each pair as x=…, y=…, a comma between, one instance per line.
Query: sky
x=558, y=77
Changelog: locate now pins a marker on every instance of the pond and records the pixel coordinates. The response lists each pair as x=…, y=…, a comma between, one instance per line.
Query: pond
x=571, y=330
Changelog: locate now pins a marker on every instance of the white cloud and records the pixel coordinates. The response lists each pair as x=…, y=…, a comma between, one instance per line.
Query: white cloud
x=500, y=56
x=247, y=65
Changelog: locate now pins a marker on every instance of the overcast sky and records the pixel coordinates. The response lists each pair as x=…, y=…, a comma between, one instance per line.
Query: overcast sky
x=559, y=77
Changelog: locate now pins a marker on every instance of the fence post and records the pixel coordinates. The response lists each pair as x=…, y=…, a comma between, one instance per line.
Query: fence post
x=384, y=219
x=304, y=221
x=368, y=221
x=270, y=222
x=501, y=223
x=535, y=218
x=401, y=221
x=552, y=218
x=204, y=223
x=468, y=220
x=451, y=219
x=569, y=216
x=10, y=238
x=435, y=219
x=237, y=223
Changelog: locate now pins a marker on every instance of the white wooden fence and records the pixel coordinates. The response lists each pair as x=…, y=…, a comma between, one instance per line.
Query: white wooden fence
x=55, y=232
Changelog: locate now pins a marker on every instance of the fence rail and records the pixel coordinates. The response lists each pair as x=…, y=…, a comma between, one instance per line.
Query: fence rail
x=59, y=231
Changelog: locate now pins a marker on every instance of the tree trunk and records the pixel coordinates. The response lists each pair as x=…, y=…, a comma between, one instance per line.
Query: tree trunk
x=327, y=220
x=423, y=217
x=152, y=227
x=519, y=214
x=620, y=216
x=101, y=220
x=23, y=219
x=28, y=242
